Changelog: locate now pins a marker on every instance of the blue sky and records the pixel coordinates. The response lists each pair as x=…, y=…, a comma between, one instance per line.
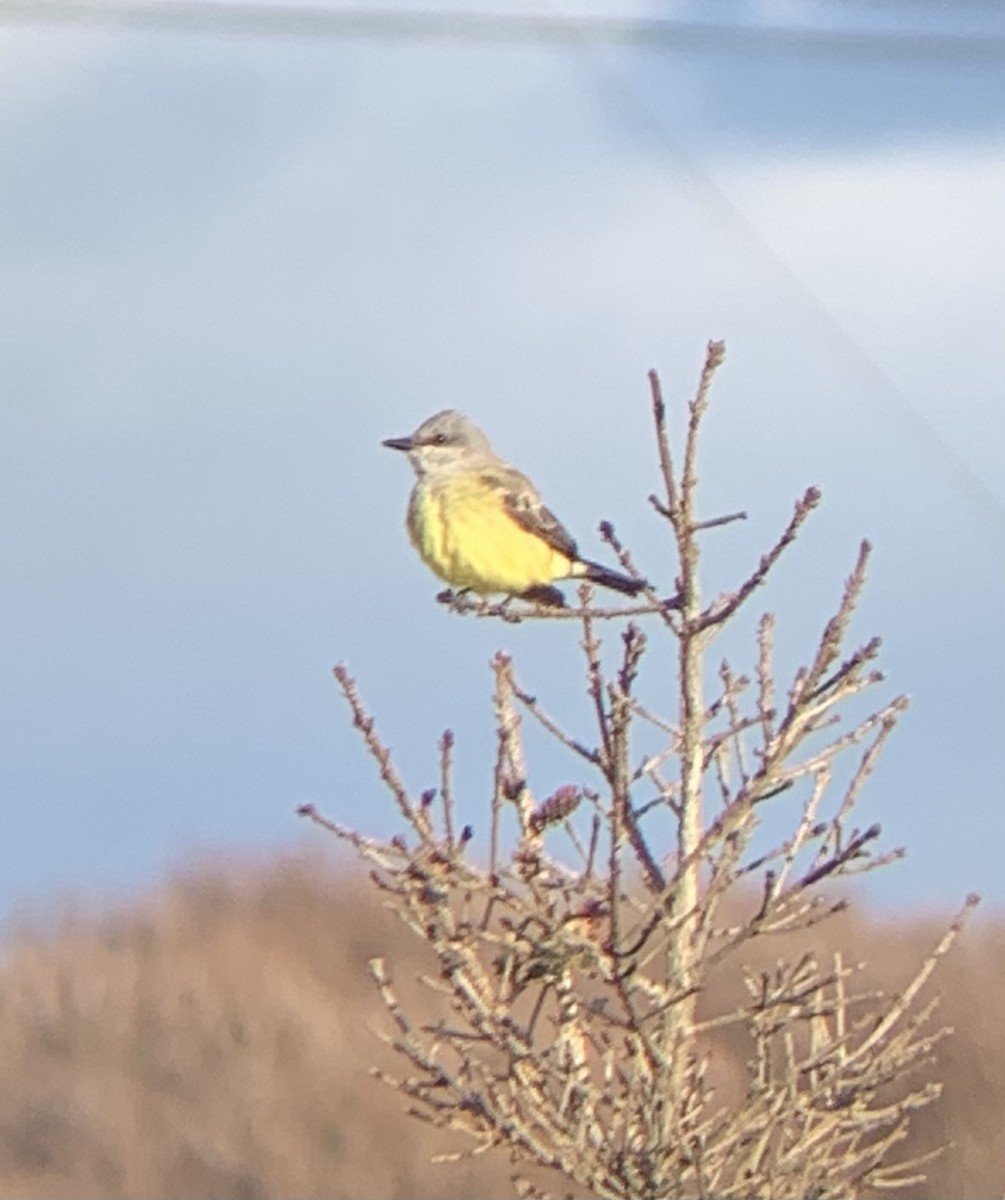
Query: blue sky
x=233, y=264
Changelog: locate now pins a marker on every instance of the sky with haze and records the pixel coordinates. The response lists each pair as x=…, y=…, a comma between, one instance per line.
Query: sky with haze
x=234, y=262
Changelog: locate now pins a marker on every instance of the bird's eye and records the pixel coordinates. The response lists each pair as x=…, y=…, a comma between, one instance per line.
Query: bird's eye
x=441, y=439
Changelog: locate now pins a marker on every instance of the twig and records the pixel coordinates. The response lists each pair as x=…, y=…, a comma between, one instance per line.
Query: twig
x=446, y=791
x=663, y=446
x=722, y=610
x=715, y=522
x=362, y=721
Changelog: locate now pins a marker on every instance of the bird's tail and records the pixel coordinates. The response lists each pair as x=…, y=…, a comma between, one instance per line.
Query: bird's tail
x=596, y=573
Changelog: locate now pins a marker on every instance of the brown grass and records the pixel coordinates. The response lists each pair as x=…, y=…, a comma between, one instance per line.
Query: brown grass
x=213, y=1041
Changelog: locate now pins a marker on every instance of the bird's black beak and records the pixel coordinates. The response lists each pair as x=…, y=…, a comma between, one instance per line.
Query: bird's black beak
x=402, y=443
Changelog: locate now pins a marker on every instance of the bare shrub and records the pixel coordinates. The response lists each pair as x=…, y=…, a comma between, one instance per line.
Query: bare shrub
x=573, y=960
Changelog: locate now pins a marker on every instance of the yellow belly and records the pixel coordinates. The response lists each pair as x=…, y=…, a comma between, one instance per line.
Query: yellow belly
x=464, y=534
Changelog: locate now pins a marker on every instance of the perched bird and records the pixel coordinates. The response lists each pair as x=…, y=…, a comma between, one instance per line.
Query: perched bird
x=480, y=524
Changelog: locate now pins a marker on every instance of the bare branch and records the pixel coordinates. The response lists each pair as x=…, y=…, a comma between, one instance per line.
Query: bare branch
x=663, y=446
x=715, y=354
x=715, y=522
x=723, y=609
x=362, y=721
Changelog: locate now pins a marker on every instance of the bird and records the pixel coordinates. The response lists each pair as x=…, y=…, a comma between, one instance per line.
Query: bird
x=480, y=524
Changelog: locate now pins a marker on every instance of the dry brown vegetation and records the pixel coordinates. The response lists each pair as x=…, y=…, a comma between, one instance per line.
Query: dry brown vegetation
x=213, y=1041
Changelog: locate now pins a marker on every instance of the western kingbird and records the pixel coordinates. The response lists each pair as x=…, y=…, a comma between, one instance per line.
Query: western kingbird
x=480, y=524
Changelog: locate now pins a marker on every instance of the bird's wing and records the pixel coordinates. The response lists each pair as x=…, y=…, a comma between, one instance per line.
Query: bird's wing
x=524, y=505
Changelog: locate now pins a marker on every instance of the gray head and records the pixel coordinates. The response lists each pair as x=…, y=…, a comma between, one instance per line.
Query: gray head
x=444, y=442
